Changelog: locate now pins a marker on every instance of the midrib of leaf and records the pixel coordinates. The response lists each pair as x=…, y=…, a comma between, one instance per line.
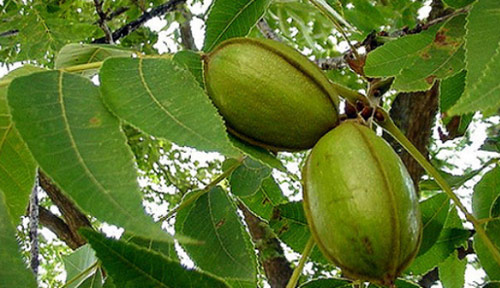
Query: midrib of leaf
x=434, y=215
x=44, y=24
x=2, y=141
x=91, y=58
x=75, y=147
x=230, y=23
x=219, y=239
x=153, y=98
x=130, y=264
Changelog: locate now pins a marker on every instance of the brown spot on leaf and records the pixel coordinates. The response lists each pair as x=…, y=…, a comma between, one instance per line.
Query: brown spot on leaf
x=430, y=79
x=95, y=121
x=425, y=55
x=440, y=38
x=220, y=223
x=283, y=229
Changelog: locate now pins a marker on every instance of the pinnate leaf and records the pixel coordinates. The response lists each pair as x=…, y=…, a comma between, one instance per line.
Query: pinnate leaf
x=482, y=45
x=263, y=202
x=77, y=54
x=161, y=98
x=231, y=18
x=434, y=213
x=133, y=266
x=77, y=263
x=247, y=178
x=290, y=225
x=226, y=250
x=17, y=167
x=486, y=193
x=392, y=57
x=14, y=272
x=452, y=271
x=80, y=145
x=442, y=58
x=486, y=259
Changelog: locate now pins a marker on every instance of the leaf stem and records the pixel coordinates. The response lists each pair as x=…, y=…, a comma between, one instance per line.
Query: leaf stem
x=298, y=270
x=203, y=191
x=390, y=127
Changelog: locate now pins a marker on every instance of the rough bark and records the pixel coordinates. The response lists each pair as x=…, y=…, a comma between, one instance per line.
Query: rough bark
x=271, y=255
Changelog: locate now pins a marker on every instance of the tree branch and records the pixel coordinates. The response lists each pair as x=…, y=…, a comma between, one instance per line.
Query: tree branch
x=271, y=255
x=267, y=31
x=60, y=228
x=102, y=21
x=74, y=218
x=134, y=25
x=187, y=38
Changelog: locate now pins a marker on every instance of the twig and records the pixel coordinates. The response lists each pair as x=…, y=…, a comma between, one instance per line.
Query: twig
x=266, y=30
x=116, y=13
x=331, y=63
x=102, y=21
x=187, y=38
x=33, y=230
x=9, y=33
x=134, y=25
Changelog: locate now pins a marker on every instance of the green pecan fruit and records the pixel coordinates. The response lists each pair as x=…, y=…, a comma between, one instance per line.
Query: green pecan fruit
x=361, y=204
x=269, y=94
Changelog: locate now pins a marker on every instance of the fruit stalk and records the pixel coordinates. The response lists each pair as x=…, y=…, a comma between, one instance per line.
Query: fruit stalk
x=390, y=127
x=298, y=270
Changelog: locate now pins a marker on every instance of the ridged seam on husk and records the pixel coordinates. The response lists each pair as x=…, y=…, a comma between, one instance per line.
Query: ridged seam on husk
x=348, y=271
x=395, y=221
x=293, y=63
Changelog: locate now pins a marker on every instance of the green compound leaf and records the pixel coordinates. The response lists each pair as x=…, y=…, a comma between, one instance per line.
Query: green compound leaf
x=247, y=178
x=452, y=271
x=434, y=213
x=192, y=62
x=14, y=272
x=226, y=250
x=263, y=202
x=290, y=225
x=392, y=57
x=17, y=167
x=486, y=260
x=231, y=18
x=161, y=98
x=444, y=57
x=482, y=45
x=486, y=193
x=77, y=54
x=451, y=237
x=77, y=263
x=80, y=145
x=132, y=266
